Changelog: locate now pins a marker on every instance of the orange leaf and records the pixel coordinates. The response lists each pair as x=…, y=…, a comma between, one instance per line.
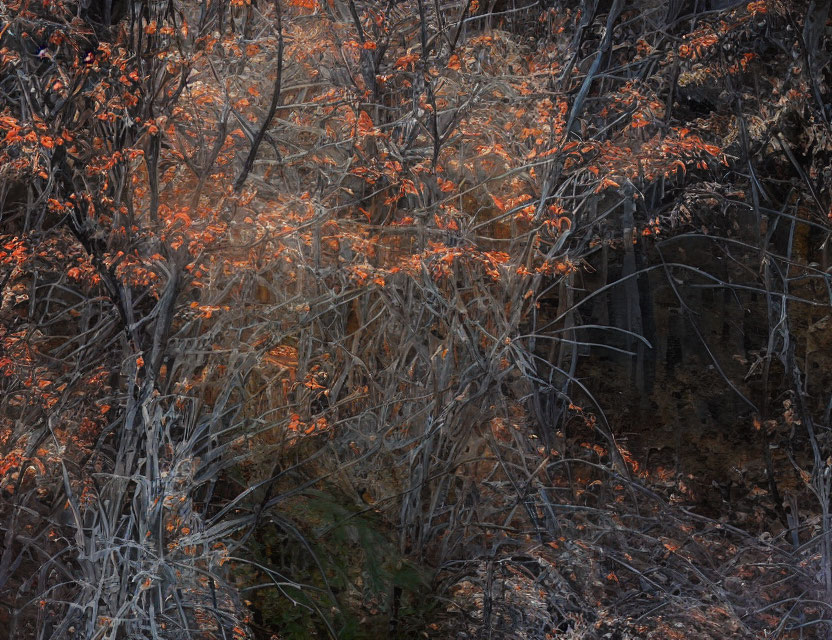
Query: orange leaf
x=605, y=183
x=365, y=124
x=445, y=185
x=406, y=61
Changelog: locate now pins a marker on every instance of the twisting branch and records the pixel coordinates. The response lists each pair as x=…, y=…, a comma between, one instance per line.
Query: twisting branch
x=275, y=103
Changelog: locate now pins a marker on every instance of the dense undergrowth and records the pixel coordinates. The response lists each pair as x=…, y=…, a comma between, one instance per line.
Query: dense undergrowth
x=410, y=319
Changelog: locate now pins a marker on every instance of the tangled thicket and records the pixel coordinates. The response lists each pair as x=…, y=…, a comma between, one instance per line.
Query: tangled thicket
x=262, y=260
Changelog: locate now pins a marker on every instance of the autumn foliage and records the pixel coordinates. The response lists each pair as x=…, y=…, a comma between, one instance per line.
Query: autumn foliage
x=258, y=257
